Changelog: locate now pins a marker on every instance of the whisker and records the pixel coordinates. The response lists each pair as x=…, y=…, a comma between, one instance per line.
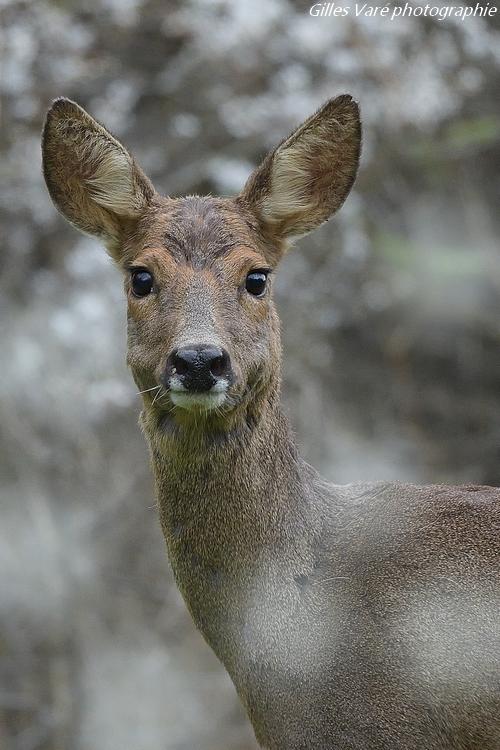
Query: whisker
x=160, y=393
x=154, y=388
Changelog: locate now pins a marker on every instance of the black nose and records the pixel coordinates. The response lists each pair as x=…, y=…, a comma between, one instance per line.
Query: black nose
x=198, y=367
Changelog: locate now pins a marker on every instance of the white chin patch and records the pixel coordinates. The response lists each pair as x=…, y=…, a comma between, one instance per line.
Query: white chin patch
x=198, y=401
x=212, y=399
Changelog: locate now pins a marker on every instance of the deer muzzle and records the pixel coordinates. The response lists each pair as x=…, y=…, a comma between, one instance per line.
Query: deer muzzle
x=198, y=375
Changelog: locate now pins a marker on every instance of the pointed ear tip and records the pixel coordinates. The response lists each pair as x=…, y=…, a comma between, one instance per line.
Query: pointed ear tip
x=345, y=102
x=62, y=106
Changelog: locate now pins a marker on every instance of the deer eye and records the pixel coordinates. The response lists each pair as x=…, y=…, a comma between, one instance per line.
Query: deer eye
x=255, y=283
x=142, y=282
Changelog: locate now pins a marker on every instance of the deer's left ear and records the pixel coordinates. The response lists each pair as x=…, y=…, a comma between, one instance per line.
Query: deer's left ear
x=92, y=179
x=308, y=176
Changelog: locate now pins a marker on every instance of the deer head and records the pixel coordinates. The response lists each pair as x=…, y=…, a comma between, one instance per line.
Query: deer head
x=203, y=333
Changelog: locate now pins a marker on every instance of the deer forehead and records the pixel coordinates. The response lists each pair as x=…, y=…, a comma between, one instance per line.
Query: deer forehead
x=180, y=235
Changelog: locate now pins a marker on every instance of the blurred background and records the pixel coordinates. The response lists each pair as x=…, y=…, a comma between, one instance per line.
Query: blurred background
x=391, y=310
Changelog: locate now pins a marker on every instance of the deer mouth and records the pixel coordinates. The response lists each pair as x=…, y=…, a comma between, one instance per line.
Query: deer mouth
x=191, y=400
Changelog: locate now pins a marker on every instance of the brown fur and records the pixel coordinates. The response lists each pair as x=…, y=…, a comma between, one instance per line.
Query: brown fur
x=358, y=617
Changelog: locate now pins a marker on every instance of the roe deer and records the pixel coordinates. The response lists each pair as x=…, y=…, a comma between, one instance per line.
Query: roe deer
x=357, y=617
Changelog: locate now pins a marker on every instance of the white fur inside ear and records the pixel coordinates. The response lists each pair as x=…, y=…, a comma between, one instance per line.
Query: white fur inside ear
x=290, y=191
x=112, y=182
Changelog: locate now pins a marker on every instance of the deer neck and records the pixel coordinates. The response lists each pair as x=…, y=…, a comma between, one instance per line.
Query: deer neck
x=228, y=494
x=235, y=513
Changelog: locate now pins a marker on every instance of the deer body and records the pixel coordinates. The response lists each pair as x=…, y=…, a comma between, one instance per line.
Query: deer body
x=349, y=617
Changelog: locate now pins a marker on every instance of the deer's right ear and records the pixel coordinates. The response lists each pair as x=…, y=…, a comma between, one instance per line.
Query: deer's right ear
x=92, y=179
x=308, y=176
